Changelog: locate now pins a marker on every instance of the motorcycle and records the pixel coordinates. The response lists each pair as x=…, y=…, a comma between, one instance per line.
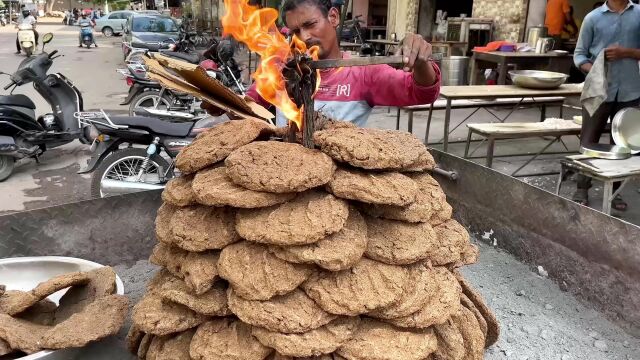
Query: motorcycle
x=3, y=20
x=27, y=38
x=118, y=167
x=86, y=32
x=22, y=135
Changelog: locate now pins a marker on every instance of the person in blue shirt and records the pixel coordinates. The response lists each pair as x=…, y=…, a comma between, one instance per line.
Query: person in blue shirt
x=615, y=29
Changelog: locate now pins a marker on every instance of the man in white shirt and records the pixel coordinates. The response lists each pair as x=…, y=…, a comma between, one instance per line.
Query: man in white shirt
x=25, y=18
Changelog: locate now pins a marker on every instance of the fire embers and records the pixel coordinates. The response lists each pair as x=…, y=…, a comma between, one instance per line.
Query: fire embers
x=343, y=252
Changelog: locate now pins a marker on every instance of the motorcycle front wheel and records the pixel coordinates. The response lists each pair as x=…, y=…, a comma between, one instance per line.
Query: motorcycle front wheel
x=149, y=99
x=28, y=51
x=125, y=165
x=6, y=166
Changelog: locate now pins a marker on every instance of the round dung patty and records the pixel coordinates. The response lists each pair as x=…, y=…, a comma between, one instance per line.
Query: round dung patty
x=439, y=308
x=294, y=312
x=450, y=341
x=224, y=338
x=375, y=340
x=256, y=274
x=218, y=142
x=317, y=342
x=367, y=286
x=211, y=303
x=213, y=187
x=429, y=206
x=279, y=167
x=336, y=252
x=163, y=223
x=154, y=316
x=310, y=217
x=420, y=287
x=468, y=326
x=493, y=327
x=452, y=241
x=389, y=188
x=399, y=243
x=199, y=228
x=375, y=149
x=178, y=191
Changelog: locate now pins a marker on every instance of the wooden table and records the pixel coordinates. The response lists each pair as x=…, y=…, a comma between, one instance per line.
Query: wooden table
x=483, y=92
x=350, y=45
x=607, y=171
x=523, y=60
x=493, y=132
x=448, y=45
x=388, y=44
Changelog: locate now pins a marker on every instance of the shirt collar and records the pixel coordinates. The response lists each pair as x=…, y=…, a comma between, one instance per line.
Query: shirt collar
x=605, y=7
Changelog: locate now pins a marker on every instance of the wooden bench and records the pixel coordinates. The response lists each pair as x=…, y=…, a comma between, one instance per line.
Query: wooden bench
x=493, y=132
x=513, y=103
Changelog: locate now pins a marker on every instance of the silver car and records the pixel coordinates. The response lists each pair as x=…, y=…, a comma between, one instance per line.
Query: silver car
x=113, y=23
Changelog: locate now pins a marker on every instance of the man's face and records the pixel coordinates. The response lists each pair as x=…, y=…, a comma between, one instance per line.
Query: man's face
x=309, y=24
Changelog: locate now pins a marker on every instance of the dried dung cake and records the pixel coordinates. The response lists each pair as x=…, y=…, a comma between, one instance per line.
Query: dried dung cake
x=200, y=228
x=217, y=143
x=375, y=340
x=199, y=270
x=308, y=218
x=226, y=339
x=317, y=342
x=211, y=303
x=279, y=167
x=102, y=282
x=375, y=149
x=213, y=187
x=256, y=274
x=42, y=313
x=21, y=334
x=163, y=223
x=179, y=192
x=399, y=243
x=387, y=188
x=154, y=316
x=368, y=286
x=339, y=251
x=294, y=312
x=175, y=347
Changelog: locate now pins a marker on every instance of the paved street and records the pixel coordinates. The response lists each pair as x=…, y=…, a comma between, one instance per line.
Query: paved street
x=54, y=180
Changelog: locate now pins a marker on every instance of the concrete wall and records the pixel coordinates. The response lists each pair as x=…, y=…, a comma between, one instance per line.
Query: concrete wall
x=509, y=17
x=426, y=17
x=360, y=7
x=402, y=17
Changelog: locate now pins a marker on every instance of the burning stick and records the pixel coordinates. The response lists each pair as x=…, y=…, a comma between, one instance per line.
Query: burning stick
x=301, y=80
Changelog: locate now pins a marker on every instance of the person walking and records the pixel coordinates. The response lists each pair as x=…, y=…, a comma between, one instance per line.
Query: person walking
x=613, y=28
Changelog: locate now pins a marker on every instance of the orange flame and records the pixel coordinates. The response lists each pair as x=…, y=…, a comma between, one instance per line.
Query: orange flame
x=257, y=29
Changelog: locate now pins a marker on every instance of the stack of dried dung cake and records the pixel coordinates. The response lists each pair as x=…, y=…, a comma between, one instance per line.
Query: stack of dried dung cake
x=274, y=251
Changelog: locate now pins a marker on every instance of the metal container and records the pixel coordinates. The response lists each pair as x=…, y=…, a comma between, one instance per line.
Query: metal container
x=534, y=33
x=25, y=273
x=536, y=79
x=606, y=151
x=544, y=45
x=625, y=129
x=454, y=70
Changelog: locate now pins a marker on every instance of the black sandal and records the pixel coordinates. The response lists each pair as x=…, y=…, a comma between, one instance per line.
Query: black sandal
x=619, y=204
x=581, y=196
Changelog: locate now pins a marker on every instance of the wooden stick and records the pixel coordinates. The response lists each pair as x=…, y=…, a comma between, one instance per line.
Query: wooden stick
x=357, y=61
x=293, y=131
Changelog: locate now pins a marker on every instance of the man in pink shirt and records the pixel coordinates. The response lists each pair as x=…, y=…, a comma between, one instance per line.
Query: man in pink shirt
x=350, y=93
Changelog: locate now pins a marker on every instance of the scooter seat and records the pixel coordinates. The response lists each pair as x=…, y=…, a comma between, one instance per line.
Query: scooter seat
x=160, y=127
x=17, y=100
x=190, y=58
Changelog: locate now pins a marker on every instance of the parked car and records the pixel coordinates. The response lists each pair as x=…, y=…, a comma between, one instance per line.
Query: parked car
x=149, y=31
x=113, y=23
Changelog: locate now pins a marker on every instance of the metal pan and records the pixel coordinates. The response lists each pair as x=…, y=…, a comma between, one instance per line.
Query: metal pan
x=536, y=79
x=625, y=129
x=24, y=273
x=604, y=151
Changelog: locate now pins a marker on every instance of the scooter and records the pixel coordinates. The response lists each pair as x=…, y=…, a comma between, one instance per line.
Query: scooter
x=22, y=135
x=3, y=21
x=27, y=38
x=86, y=31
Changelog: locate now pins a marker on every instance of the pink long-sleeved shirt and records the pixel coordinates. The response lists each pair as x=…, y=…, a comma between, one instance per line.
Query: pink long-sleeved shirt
x=350, y=93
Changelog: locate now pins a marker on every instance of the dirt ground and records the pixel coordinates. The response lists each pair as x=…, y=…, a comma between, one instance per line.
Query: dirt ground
x=538, y=320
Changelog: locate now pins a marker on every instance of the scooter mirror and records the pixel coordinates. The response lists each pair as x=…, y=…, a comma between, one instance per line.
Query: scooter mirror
x=46, y=38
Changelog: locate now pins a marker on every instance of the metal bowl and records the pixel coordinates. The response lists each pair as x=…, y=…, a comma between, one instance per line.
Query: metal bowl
x=24, y=273
x=605, y=151
x=536, y=79
x=625, y=129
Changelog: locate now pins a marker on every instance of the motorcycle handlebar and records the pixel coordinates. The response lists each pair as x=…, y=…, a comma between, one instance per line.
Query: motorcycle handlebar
x=52, y=53
x=10, y=85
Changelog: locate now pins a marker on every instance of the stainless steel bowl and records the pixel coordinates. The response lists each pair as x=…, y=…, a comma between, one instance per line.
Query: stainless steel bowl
x=25, y=273
x=605, y=151
x=536, y=79
x=625, y=129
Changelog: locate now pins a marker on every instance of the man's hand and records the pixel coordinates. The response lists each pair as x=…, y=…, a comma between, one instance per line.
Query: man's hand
x=416, y=52
x=586, y=67
x=615, y=52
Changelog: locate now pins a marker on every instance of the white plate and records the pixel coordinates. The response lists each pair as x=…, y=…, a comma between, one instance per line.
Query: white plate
x=25, y=273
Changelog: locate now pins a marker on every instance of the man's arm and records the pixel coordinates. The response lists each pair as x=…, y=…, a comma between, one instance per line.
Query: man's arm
x=417, y=51
x=614, y=53
x=581, y=56
x=391, y=87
